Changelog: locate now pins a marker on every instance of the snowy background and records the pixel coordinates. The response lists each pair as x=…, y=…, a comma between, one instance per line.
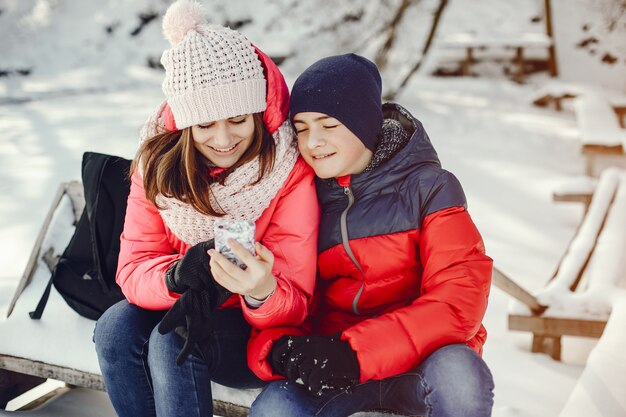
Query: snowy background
x=83, y=75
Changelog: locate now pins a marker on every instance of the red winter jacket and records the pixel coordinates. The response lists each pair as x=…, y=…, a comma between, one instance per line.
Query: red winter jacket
x=403, y=270
x=288, y=227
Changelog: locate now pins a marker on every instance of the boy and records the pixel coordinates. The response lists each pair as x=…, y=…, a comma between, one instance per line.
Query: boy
x=404, y=278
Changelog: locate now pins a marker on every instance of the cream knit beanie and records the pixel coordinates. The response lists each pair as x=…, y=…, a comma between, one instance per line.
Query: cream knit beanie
x=211, y=72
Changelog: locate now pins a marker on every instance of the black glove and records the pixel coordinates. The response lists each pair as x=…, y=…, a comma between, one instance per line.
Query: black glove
x=281, y=352
x=323, y=364
x=191, y=314
x=189, y=317
x=192, y=270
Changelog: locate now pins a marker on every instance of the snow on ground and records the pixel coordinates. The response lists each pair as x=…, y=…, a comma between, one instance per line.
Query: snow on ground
x=92, y=91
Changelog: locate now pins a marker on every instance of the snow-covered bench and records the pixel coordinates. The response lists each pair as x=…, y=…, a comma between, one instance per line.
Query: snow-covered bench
x=576, y=300
x=555, y=93
x=576, y=190
x=600, y=388
x=600, y=131
x=471, y=42
x=59, y=345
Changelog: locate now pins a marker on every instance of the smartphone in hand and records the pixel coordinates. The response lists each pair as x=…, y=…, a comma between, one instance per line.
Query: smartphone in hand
x=240, y=230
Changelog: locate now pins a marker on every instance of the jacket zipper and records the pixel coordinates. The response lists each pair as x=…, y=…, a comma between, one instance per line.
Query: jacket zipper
x=346, y=245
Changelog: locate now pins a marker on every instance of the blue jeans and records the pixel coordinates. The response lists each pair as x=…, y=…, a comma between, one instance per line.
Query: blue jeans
x=453, y=381
x=139, y=364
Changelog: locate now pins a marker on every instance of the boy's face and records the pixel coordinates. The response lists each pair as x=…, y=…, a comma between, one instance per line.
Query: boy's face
x=328, y=146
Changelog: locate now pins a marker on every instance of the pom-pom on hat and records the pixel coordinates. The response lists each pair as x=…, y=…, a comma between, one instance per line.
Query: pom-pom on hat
x=346, y=87
x=211, y=72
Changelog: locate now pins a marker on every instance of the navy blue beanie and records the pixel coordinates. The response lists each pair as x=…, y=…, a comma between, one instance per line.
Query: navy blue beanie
x=346, y=87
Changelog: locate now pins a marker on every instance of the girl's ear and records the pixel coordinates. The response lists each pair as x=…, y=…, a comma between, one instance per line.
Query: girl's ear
x=168, y=118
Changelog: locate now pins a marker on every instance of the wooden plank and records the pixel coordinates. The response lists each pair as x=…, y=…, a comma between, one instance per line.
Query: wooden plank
x=31, y=265
x=593, y=248
x=584, y=198
x=91, y=381
x=46, y=370
x=39, y=401
x=590, y=149
x=557, y=326
x=506, y=284
x=13, y=384
x=223, y=408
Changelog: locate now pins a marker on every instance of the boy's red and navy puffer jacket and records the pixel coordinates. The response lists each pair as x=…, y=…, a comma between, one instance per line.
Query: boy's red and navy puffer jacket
x=403, y=269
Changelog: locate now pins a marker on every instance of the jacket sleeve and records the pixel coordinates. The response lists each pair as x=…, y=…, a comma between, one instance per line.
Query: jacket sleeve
x=145, y=253
x=292, y=238
x=453, y=299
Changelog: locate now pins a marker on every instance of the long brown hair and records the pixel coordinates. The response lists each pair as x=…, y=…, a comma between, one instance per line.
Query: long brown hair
x=174, y=168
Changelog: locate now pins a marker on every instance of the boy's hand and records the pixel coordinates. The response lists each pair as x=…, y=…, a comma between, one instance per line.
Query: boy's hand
x=280, y=354
x=256, y=281
x=322, y=364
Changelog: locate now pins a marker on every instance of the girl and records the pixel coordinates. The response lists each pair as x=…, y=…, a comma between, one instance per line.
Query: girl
x=218, y=148
x=404, y=278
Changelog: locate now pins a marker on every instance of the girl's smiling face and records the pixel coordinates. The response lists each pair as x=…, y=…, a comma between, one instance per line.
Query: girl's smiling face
x=223, y=142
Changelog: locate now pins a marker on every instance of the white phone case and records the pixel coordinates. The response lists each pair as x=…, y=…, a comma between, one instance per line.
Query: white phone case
x=240, y=230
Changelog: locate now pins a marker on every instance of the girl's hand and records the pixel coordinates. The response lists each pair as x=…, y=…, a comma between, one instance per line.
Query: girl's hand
x=257, y=281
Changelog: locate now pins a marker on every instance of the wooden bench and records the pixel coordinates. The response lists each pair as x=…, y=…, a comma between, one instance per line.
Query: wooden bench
x=471, y=43
x=59, y=345
x=575, y=300
x=600, y=131
x=555, y=93
x=576, y=190
x=60, y=324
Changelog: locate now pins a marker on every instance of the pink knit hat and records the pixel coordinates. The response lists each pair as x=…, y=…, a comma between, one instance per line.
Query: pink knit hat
x=211, y=72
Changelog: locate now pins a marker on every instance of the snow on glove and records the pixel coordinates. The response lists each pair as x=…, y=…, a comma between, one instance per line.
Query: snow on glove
x=192, y=270
x=323, y=364
x=280, y=354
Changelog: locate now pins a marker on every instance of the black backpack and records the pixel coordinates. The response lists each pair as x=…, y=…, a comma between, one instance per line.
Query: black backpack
x=85, y=272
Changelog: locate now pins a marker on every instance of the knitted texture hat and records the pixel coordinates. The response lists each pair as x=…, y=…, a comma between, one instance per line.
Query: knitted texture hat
x=211, y=72
x=346, y=87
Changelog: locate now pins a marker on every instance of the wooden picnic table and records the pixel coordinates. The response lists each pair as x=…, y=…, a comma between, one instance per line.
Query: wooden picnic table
x=471, y=42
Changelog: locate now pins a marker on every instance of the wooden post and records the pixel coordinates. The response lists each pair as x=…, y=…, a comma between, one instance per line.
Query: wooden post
x=519, y=58
x=547, y=344
x=589, y=165
x=469, y=58
x=620, y=112
x=552, y=66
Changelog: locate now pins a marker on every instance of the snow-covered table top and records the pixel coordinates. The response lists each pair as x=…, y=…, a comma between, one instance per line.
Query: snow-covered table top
x=470, y=40
x=597, y=122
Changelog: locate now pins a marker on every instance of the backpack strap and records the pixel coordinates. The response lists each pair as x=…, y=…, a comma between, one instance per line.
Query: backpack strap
x=41, y=305
x=92, y=170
